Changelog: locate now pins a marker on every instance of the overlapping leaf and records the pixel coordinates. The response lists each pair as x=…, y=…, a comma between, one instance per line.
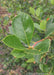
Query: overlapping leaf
x=49, y=29
x=43, y=25
x=13, y=42
x=23, y=30
x=36, y=25
x=38, y=11
x=23, y=27
x=32, y=10
x=41, y=48
x=18, y=53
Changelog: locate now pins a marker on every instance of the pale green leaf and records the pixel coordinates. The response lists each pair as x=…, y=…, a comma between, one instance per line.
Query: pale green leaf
x=30, y=60
x=32, y=10
x=43, y=25
x=38, y=11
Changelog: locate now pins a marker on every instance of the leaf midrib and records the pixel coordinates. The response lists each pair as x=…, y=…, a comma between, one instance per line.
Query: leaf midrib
x=25, y=34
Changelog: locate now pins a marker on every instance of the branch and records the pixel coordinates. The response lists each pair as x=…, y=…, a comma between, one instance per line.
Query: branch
x=37, y=42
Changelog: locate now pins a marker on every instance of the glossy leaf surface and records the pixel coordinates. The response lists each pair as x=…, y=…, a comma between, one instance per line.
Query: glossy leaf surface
x=23, y=27
x=13, y=42
x=43, y=46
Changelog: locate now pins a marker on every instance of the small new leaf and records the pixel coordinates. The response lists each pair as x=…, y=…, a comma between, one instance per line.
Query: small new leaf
x=38, y=11
x=43, y=25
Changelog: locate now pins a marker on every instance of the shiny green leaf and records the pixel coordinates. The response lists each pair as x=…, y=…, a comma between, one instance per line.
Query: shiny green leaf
x=40, y=48
x=13, y=42
x=23, y=27
x=43, y=46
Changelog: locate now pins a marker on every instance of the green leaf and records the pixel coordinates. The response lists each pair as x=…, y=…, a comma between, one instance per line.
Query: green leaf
x=43, y=25
x=46, y=68
x=18, y=53
x=43, y=46
x=23, y=27
x=37, y=58
x=28, y=56
x=38, y=11
x=41, y=67
x=13, y=42
x=32, y=10
x=49, y=29
x=40, y=48
x=36, y=37
x=36, y=25
x=30, y=60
